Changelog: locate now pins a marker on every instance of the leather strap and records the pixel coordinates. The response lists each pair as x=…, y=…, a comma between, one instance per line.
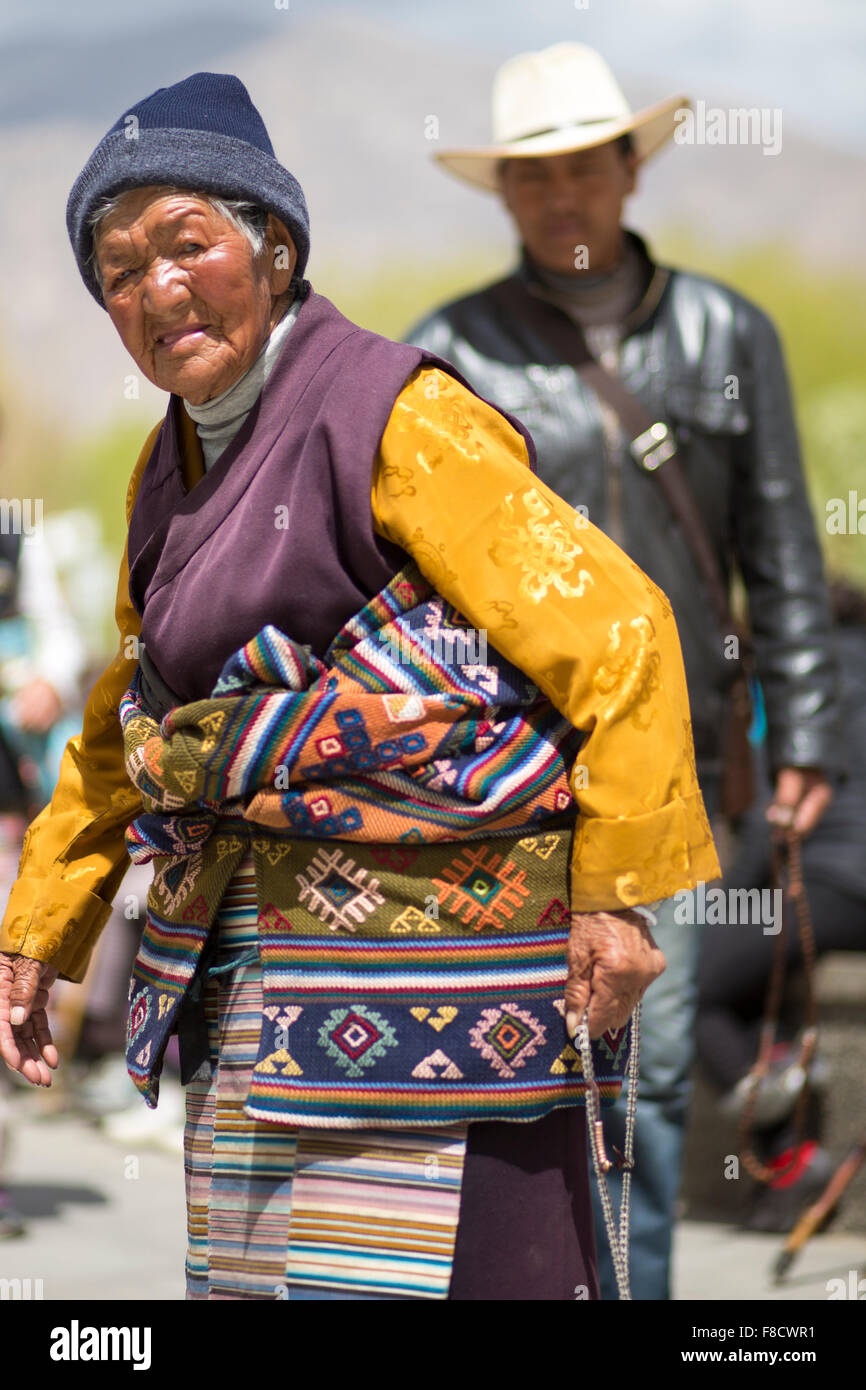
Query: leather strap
x=653, y=438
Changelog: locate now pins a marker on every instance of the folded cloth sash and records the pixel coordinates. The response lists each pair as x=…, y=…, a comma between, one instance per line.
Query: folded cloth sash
x=391, y=737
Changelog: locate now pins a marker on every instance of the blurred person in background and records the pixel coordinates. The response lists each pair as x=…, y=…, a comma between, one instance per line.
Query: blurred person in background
x=42, y=659
x=587, y=313
x=356, y=843
x=735, y=961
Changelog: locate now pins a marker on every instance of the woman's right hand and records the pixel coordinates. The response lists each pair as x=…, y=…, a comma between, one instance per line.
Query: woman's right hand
x=25, y=1037
x=612, y=959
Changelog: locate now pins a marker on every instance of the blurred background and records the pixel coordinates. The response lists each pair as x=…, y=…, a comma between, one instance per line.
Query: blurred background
x=346, y=90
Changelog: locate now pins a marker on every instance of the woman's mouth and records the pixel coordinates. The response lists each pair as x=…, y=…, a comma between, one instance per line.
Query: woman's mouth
x=188, y=335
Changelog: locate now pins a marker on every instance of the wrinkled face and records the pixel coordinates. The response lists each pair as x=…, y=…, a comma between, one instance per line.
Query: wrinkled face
x=191, y=303
x=564, y=202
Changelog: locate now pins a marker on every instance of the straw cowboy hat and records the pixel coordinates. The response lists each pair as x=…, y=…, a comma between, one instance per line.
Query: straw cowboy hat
x=562, y=99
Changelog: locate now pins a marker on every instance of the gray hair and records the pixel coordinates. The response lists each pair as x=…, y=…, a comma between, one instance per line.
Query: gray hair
x=247, y=217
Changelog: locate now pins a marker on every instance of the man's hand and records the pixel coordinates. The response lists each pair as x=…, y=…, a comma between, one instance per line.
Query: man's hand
x=802, y=796
x=612, y=959
x=25, y=1037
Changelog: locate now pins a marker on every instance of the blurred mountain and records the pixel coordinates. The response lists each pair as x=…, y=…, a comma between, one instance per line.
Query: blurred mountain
x=349, y=105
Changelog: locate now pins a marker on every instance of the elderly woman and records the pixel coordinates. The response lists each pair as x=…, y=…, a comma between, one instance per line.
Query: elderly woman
x=395, y=863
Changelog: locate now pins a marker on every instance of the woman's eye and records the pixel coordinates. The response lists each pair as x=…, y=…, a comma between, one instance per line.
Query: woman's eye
x=118, y=279
x=191, y=246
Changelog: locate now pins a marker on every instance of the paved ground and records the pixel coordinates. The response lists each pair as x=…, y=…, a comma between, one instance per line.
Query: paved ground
x=719, y=1263
x=106, y=1220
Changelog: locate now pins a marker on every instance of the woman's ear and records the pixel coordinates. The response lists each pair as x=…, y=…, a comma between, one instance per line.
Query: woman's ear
x=282, y=254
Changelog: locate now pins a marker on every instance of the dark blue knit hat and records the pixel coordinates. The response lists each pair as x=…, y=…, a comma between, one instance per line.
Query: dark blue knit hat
x=203, y=134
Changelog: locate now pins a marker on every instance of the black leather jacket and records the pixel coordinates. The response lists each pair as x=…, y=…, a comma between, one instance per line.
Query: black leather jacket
x=707, y=362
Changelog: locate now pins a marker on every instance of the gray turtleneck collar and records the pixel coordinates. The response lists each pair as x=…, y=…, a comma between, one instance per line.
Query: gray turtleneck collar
x=218, y=420
x=600, y=304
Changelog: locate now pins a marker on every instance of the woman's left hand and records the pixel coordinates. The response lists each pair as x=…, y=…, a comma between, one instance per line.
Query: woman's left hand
x=612, y=959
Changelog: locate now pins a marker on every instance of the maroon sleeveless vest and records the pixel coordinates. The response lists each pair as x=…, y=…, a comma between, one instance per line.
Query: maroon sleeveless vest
x=280, y=528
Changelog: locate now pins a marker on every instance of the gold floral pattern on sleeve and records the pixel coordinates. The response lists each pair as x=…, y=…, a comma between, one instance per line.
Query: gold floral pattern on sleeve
x=436, y=428
x=452, y=486
x=430, y=557
x=628, y=888
x=630, y=672
x=502, y=614
x=542, y=547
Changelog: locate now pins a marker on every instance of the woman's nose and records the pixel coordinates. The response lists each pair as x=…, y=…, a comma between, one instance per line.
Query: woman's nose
x=164, y=285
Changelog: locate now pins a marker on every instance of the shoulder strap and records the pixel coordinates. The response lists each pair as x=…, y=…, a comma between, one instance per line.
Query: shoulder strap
x=652, y=445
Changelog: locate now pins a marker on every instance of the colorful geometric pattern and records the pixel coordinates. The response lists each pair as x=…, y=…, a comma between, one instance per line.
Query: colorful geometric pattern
x=337, y=891
x=356, y=1038
x=353, y=1018
x=412, y=978
x=479, y=889
x=507, y=1037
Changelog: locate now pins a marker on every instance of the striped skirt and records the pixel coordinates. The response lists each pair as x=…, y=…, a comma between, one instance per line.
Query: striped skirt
x=279, y=1213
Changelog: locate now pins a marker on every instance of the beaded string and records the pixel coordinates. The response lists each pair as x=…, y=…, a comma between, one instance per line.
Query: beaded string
x=786, y=853
x=617, y=1239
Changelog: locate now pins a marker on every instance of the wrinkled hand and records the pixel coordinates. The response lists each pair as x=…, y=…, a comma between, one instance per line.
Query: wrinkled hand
x=801, y=797
x=25, y=1037
x=612, y=959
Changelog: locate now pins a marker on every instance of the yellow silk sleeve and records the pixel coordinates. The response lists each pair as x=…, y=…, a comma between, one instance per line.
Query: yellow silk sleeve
x=452, y=486
x=74, y=855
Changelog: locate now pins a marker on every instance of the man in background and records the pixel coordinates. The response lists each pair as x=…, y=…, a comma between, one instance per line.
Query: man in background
x=705, y=383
